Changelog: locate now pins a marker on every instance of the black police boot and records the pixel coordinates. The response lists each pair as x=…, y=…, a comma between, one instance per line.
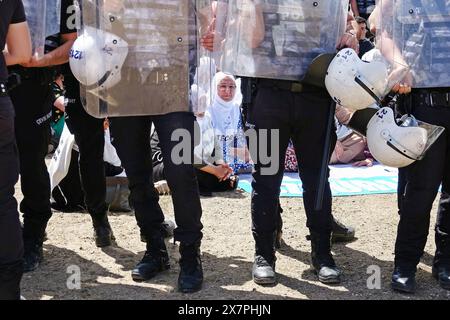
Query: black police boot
x=322, y=260
x=155, y=260
x=442, y=274
x=341, y=232
x=404, y=279
x=191, y=272
x=441, y=264
x=10, y=276
x=263, y=272
x=32, y=255
x=102, y=231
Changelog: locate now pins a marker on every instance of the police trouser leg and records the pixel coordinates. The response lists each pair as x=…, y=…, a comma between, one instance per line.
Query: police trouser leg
x=308, y=138
x=422, y=180
x=11, y=245
x=270, y=118
x=442, y=235
x=32, y=128
x=181, y=177
x=132, y=142
x=90, y=138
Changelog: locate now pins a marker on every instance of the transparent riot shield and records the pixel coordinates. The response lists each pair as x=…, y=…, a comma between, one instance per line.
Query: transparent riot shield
x=430, y=133
x=43, y=18
x=276, y=39
x=143, y=57
x=416, y=34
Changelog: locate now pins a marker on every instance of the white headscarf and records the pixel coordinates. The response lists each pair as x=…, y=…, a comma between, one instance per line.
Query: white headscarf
x=225, y=116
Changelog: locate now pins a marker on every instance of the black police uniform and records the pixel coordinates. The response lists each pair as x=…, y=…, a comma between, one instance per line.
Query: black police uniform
x=296, y=111
x=90, y=138
x=131, y=138
x=32, y=127
x=419, y=183
x=11, y=245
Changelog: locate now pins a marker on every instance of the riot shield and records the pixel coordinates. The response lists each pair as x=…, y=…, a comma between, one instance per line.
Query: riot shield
x=276, y=39
x=143, y=57
x=416, y=34
x=43, y=18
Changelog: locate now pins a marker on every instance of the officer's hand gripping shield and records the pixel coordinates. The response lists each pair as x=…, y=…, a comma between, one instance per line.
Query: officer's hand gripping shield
x=276, y=39
x=399, y=142
x=43, y=18
x=143, y=57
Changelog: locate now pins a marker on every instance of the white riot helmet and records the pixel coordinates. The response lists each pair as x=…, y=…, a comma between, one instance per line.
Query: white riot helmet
x=356, y=84
x=97, y=57
x=399, y=144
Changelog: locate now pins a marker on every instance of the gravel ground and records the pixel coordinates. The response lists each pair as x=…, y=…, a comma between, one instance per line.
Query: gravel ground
x=227, y=254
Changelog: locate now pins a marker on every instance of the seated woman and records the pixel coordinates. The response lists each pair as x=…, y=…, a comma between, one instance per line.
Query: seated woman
x=213, y=174
x=351, y=147
x=227, y=122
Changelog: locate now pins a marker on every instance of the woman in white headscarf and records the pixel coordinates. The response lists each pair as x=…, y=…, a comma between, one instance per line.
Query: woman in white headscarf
x=227, y=122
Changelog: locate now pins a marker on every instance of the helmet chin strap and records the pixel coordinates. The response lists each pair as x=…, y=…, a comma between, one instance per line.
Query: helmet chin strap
x=100, y=82
x=358, y=80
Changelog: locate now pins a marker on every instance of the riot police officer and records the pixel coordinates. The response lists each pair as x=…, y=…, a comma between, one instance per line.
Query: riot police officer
x=143, y=82
x=14, y=33
x=279, y=41
x=412, y=25
x=33, y=134
x=32, y=127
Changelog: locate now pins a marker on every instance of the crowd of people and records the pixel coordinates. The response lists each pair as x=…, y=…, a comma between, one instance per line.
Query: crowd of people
x=41, y=112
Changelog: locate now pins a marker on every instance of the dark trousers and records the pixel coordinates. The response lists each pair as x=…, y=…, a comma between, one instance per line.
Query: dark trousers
x=132, y=141
x=32, y=128
x=11, y=244
x=418, y=186
x=90, y=138
x=302, y=117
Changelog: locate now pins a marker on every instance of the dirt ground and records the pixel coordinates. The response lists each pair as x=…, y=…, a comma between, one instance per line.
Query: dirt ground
x=227, y=254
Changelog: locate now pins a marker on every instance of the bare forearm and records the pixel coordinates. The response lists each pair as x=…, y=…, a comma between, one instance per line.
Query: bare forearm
x=59, y=55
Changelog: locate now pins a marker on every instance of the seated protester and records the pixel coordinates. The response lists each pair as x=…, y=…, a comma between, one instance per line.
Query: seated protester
x=66, y=189
x=227, y=122
x=213, y=174
x=351, y=147
x=57, y=100
x=290, y=163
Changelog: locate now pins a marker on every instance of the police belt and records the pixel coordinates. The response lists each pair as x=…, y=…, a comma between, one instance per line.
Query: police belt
x=434, y=98
x=41, y=74
x=287, y=85
x=3, y=89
